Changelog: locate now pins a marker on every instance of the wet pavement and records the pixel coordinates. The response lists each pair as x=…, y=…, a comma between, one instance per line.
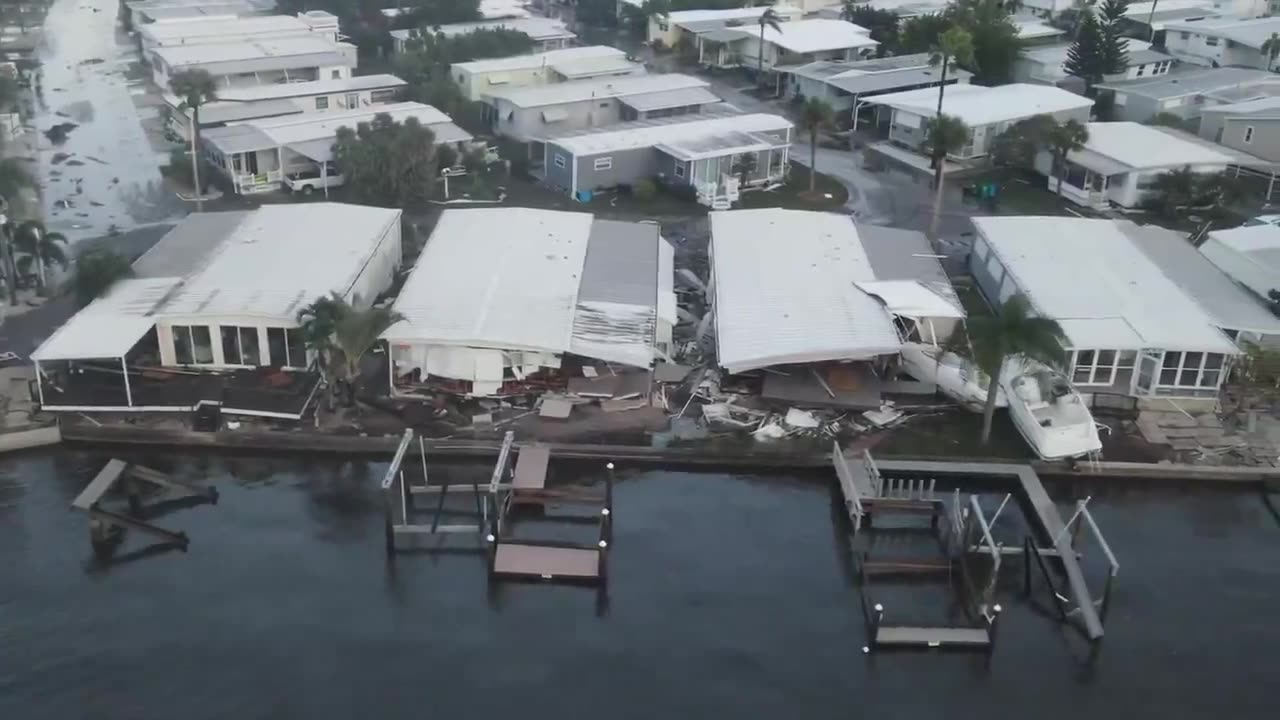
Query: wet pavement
x=731, y=596
x=105, y=174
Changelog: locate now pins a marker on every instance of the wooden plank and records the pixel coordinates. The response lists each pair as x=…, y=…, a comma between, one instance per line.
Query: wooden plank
x=139, y=525
x=906, y=567
x=531, y=467
x=541, y=561
x=155, y=477
x=100, y=484
x=913, y=636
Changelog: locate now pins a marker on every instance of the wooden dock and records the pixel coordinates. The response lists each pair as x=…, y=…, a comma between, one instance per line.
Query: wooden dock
x=546, y=562
x=107, y=525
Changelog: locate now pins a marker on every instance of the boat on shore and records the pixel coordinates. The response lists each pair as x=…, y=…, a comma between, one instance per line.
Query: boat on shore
x=1051, y=416
x=957, y=377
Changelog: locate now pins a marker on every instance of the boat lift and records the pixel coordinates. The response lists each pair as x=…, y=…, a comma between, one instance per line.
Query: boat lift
x=107, y=524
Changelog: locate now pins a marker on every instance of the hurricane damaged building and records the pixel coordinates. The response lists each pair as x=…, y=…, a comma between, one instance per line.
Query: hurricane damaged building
x=815, y=308
x=515, y=301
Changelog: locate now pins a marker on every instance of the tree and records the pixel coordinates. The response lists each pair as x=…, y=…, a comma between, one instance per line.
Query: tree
x=1019, y=144
x=815, y=115
x=1085, y=58
x=953, y=46
x=95, y=272
x=743, y=166
x=318, y=322
x=388, y=163
x=1271, y=49
x=1014, y=332
x=883, y=24
x=1171, y=191
x=355, y=332
x=1115, y=47
x=14, y=179
x=996, y=45
x=920, y=33
x=768, y=19
x=40, y=248
x=195, y=87
x=1063, y=139
x=943, y=135
x=1167, y=119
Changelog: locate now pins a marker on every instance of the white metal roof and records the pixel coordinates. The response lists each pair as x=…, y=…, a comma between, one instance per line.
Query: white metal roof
x=580, y=90
x=293, y=129
x=1141, y=146
x=281, y=258
x=301, y=89
x=688, y=16
x=1034, y=29
x=785, y=290
x=650, y=134
x=1250, y=255
x=911, y=298
x=1099, y=285
x=528, y=62
x=537, y=28
x=683, y=97
x=182, y=56
x=977, y=105
x=110, y=325
x=576, y=68
x=805, y=36
x=1250, y=32
x=500, y=278
x=241, y=28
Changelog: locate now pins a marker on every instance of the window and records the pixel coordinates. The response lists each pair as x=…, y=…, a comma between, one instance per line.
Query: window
x=980, y=248
x=679, y=170
x=322, y=103
x=353, y=100
x=995, y=269
x=240, y=346
x=604, y=104
x=192, y=345
x=1211, y=41
x=279, y=354
x=382, y=96
x=1141, y=69
x=559, y=161
x=1248, y=134
x=1185, y=35
x=603, y=163
x=1191, y=370
x=337, y=75
x=1099, y=367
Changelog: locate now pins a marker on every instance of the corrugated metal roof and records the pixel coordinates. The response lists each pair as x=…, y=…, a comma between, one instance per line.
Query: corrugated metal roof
x=183, y=56
x=500, y=278
x=224, y=30
x=1229, y=304
x=314, y=87
x=977, y=105
x=785, y=293
x=898, y=254
x=110, y=325
x=280, y=258
x=550, y=58
x=237, y=138
x=1185, y=79
x=670, y=99
x=225, y=112
x=817, y=35
x=184, y=248
x=669, y=131
x=1134, y=145
x=862, y=84
x=1093, y=279
x=616, y=314
x=562, y=93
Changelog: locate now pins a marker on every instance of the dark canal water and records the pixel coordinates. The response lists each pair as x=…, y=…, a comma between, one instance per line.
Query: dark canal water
x=730, y=598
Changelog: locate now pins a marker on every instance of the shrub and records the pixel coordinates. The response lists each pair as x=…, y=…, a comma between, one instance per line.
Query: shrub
x=644, y=190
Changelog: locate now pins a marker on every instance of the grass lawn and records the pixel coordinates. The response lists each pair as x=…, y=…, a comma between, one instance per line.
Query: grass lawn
x=829, y=194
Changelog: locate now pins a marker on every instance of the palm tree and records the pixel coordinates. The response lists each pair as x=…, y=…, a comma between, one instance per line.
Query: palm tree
x=1271, y=49
x=14, y=179
x=955, y=46
x=768, y=18
x=195, y=87
x=41, y=248
x=814, y=116
x=95, y=272
x=1014, y=332
x=1063, y=139
x=355, y=334
x=943, y=135
x=318, y=321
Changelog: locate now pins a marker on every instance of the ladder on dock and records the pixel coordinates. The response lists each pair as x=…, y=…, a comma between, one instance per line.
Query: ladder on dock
x=867, y=492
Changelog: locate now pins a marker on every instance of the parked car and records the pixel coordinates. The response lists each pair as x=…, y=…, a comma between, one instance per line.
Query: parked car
x=309, y=181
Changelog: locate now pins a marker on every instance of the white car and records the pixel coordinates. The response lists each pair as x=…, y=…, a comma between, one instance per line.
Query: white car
x=309, y=181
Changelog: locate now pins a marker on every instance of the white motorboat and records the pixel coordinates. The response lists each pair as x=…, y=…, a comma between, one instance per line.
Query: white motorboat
x=956, y=377
x=1049, y=413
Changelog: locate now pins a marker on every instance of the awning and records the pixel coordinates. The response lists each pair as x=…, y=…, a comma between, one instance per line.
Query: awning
x=555, y=114
x=318, y=150
x=911, y=298
x=111, y=325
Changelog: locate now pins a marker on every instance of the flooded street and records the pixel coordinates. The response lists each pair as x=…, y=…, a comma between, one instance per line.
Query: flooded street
x=730, y=597
x=105, y=175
